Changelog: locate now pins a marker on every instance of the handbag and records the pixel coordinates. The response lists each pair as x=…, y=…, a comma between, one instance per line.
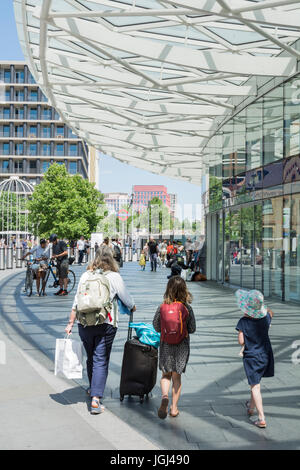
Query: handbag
x=68, y=358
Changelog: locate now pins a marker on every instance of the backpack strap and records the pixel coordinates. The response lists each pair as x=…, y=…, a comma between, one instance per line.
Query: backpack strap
x=114, y=302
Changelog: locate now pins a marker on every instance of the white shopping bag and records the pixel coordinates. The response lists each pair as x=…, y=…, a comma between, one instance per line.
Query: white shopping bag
x=68, y=358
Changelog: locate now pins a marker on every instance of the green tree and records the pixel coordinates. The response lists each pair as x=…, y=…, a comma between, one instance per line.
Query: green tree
x=64, y=204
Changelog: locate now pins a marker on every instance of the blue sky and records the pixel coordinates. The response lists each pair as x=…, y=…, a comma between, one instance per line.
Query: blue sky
x=114, y=175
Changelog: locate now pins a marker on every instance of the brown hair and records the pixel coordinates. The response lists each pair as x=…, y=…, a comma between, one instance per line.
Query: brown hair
x=177, y=291
x=104, y=260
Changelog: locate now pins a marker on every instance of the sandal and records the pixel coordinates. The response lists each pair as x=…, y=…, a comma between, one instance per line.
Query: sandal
x=163, y=409
x=250, y=411
x=96, y=406
x=260, y=423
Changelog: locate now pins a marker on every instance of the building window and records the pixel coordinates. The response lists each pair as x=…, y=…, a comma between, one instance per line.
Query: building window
x=6, y=113
x=60, y=131
x=59, y=150
x=7, y=76
x=33, y=149
x=19, y=131
x=32, y=166
x=33, y=96
x=18, y=164
x=45, y=166
x=46, y=150
x=33, y=113
x=5, y=166
x=7, y=95
x=33, y=131
x=30, y=78
x=5, y=148
x=19, y=149
x=19, y=113
x=73, y=168
x=6, y=131
x=47, y=114
x=73, y=150
x=20, y=95
x=46, y=132
x=20, y=76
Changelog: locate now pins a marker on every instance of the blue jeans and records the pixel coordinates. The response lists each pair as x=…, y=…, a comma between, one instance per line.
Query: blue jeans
x=97, y=341
x=153, y=259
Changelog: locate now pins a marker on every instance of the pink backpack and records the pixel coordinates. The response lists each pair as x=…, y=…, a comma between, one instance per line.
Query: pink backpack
x=173, y=320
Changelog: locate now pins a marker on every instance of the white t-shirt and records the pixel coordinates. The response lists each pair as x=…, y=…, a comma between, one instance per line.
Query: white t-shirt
x=40, y=252
x=80, y=245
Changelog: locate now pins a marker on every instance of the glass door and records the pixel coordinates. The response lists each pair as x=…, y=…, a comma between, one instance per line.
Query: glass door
x=258, y=255
x=291, y=246
x=235, y=247
x=220, y=248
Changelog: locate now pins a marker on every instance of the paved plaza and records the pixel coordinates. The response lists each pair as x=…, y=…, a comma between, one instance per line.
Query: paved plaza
x=43, y=411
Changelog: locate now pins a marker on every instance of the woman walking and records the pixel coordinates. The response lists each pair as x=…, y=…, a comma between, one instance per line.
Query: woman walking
x=176, y=321
x=98, y=338
x=258, y=358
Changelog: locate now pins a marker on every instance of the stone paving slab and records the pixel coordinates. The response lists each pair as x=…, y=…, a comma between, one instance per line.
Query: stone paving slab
x=214, y=387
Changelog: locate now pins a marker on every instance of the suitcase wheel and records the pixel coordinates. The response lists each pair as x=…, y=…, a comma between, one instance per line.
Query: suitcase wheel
x=121, y=397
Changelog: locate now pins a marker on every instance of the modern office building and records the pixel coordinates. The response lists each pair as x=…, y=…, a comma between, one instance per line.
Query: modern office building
x=205, y=92
x=32, y=135
x=116, y=201
x=142, y=195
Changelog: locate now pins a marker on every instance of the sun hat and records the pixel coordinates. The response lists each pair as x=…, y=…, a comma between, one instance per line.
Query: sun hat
x=251, y=303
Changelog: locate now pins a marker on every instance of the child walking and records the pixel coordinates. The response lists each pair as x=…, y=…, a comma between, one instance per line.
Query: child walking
x=175, y=320
x=258, y=358
x=142, y=261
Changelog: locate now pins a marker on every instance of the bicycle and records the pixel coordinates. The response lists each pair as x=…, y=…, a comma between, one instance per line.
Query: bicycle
x=50, y=269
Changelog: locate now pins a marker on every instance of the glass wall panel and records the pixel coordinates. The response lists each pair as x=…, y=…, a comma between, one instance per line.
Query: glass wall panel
x=292, y=118
x=273, y=125
x=235, y=247
x=291, y=246
x=239, y=128
x=258, y=258
x=229, y=156
x=272, y=247
x=254, y=135
x=220, y=248
x=227, y=231
x=247, y=246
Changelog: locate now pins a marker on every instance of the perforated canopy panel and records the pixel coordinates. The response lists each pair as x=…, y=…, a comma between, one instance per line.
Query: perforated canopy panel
x=148, y=81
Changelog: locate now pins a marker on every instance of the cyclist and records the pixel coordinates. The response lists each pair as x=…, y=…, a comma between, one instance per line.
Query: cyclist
x=60, y=254
x=41, y=254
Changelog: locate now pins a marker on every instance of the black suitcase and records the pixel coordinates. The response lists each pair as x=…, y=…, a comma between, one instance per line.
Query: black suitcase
x=139, y=368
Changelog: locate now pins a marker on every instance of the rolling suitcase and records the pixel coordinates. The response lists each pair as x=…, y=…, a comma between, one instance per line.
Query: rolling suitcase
x=139, y=368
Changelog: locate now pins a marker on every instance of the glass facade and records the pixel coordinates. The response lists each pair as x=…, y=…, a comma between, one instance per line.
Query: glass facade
x=254, y=195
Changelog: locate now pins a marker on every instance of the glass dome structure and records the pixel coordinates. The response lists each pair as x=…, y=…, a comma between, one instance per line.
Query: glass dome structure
x=149, y=82
x=14, y=194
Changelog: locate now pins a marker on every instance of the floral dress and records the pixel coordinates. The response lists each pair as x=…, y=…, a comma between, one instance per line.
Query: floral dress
x=174, y=357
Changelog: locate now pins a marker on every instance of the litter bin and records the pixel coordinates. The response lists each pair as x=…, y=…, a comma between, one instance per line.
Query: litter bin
x=2, y=258
x=19, y=262
x=9, y=257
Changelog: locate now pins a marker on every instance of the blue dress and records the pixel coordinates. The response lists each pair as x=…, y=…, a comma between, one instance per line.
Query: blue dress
x=258, y=355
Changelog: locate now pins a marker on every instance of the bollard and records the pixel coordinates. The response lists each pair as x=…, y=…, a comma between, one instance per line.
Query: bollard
x=19, y=262
x=92, y=254
x=9, y=257
x=76, y=254
x=130, y=254
x=2, y=258
x=69, y=251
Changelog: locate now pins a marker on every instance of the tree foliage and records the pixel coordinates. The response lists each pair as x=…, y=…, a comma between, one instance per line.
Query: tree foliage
x=64, y=204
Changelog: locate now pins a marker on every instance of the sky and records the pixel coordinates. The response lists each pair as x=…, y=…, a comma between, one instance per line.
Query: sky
x=115, y=176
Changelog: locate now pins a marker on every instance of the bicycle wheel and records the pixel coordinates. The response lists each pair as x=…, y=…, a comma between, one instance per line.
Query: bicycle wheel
x=29, y=282
x=71, y=280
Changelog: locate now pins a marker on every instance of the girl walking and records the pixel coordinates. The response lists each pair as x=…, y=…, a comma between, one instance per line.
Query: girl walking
x=142, y=261
x=175, y=321
x=258, y=358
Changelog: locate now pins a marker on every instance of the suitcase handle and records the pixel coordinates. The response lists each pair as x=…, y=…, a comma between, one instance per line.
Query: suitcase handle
x=129, y=336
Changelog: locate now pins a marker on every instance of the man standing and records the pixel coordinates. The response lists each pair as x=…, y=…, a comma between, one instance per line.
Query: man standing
x=188, y=246
x=81, y=249
x=153, y=249
x=60, y=254
x=41, y=254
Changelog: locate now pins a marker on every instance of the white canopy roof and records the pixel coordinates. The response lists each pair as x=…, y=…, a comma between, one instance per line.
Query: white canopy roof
x=147, y=81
